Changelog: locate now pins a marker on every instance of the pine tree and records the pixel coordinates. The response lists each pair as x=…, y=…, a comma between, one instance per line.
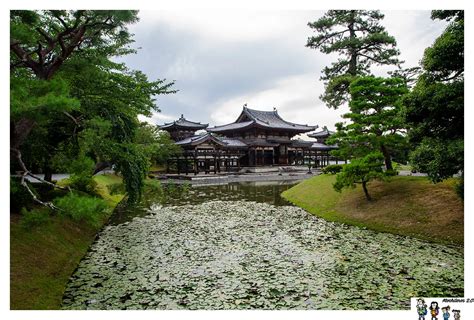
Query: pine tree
x=376, y=119
x=360, y=40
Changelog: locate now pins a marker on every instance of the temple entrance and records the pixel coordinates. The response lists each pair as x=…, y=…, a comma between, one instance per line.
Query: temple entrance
x=276, y=155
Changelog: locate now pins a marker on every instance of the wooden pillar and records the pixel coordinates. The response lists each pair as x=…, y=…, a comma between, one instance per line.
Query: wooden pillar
x=215, y=164
x=186, y=164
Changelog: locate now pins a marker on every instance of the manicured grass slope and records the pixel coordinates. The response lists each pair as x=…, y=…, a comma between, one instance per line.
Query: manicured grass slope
x=42, y=258
x=406, y=205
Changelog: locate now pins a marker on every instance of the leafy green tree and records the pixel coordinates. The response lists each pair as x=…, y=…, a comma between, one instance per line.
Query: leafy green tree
x=69, y=99
x=435, y=106
x=156, y=143
x=376, y=119
x=361, y=171
x=360, y=40
x=41, y=42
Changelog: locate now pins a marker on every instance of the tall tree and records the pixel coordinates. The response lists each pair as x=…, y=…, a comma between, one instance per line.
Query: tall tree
x=435, y=107
x=69, y=100
x=40, y=43
x=360, y=40
x=376, y=119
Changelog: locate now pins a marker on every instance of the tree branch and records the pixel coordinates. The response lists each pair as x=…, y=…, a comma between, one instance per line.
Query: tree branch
x=35, y=198
x=25, y=173
x=453, y=76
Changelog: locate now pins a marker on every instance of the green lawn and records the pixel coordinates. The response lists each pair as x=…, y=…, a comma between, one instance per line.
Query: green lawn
x=42, y=258
x=406, y=205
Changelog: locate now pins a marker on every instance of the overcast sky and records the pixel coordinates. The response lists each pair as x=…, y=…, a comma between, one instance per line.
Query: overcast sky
x=224, y=59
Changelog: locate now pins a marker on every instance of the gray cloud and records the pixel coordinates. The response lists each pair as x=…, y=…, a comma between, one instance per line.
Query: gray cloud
x=222, y=59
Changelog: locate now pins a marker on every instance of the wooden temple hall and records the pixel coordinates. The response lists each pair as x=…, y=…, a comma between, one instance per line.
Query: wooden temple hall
x=257, y=138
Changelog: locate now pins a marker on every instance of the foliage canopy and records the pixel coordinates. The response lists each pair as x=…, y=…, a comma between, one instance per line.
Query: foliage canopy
x=359, y=39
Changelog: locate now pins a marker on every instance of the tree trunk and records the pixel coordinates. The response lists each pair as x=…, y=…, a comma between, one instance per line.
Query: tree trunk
x=353, y=54
x=387, y=158
x=48, y=174
x=364, y=186
x=19, y=131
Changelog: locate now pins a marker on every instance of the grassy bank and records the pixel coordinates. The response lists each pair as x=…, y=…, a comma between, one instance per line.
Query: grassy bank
x=406, y=205
x=43, y=257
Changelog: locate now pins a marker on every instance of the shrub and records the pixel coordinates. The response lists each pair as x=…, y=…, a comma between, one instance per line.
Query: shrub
x=81, y=174
x=34, y=217
x=83, y=208
x=361, y=171
x=152, y=185
x=19, y=196
x=116, y=188
x=332, y=169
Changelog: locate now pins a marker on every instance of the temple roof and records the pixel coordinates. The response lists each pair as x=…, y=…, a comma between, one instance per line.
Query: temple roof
x=322, y=146
x=199, y=139
x=298, y=143
x=321, y=134
x=260, y=142
x=184, y=124
x=264, y=119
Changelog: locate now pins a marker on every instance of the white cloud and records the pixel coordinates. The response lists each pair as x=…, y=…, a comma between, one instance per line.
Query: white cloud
x=231, y=25
x=296, y=99
x=157, y=118
x=414, y=31
x=222, y=59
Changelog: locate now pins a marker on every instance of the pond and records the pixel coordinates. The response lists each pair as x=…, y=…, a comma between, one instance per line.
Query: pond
x=241, y=246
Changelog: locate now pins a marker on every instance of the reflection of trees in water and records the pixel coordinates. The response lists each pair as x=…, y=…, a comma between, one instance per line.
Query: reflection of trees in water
x=183, y=194
x=259, y=192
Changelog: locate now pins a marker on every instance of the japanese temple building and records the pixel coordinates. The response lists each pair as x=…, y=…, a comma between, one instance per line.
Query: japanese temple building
x=256, y=138
x=182, y=128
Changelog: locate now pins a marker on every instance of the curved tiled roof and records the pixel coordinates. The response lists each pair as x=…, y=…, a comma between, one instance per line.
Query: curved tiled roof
x=233, y=142
x=321, y=134
x=231, y=126
x=198, y=139
x=264, y=119
x=322, y=146
x=260, y=142
x=301, y=143
x=184, y=123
